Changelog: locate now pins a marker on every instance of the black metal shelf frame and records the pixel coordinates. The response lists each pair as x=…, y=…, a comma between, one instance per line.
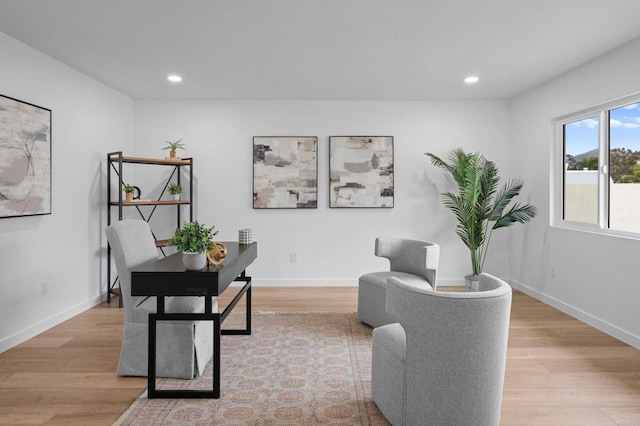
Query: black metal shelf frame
x=115, y=161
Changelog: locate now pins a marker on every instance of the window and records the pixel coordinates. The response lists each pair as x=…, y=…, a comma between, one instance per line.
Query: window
x=581, y=170
x=600, y=183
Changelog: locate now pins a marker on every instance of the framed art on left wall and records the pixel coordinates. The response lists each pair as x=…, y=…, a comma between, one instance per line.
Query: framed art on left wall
x=25, y=158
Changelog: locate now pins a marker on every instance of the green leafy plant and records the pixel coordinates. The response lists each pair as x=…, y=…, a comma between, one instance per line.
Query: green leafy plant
x=173, y=146
x=479, y=206
x=175, y=189
x=193, y=237
x=128, y=188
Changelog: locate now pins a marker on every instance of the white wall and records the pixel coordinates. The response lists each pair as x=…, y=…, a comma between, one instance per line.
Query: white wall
x=333, y=246
x=64, y=249
x=596, y=277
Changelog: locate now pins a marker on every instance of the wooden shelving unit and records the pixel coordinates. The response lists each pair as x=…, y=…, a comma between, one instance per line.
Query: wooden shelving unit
x=115, y=165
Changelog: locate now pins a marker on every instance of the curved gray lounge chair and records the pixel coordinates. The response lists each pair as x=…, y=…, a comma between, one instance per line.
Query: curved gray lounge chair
x=444, y=362
x=412, y=261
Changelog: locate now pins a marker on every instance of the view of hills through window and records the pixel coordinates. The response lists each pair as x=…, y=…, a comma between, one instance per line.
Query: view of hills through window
x=581, y=144
x=582, y=193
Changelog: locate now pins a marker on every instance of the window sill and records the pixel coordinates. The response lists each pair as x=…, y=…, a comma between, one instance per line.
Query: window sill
x=594, y=229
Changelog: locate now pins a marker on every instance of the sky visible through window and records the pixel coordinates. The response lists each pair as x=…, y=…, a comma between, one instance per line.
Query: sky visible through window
x=582, y=136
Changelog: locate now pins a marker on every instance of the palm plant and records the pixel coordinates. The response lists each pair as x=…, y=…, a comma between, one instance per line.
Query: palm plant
x=479, y=206
x=173, y=146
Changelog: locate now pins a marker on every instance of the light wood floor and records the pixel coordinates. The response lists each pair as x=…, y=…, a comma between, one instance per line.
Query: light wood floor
x=559, y=371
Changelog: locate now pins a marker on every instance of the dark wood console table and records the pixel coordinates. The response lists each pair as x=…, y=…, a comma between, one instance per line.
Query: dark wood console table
x=168, y=277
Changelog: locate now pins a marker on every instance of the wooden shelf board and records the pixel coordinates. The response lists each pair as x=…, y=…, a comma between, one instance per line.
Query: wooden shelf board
x=152, y=203
x=146, y=160
x=162, y=243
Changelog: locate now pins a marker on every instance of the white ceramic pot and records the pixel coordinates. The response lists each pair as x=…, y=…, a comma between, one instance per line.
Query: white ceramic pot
x=471, y=282
x=176, y=197
x=194, y=261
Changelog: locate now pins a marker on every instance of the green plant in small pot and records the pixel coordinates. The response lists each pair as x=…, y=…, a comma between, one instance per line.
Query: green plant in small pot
x=172, y=147
x=479, y=206
x=175, y=190
x=129, y=191
x=193, y=239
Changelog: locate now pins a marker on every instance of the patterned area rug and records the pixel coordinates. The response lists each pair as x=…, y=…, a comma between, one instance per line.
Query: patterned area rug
x=295, y=369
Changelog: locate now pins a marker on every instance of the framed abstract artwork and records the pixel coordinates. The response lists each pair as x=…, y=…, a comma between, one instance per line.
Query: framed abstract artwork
x=285, y=172
x=25, y=158
x=361, y=171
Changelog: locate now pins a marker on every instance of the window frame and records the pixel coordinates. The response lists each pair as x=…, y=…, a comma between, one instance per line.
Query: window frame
x=558, y=168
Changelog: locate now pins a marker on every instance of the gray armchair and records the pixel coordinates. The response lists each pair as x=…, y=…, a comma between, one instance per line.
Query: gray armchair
x=184, y=348
x=444, y=362
x=412, y=261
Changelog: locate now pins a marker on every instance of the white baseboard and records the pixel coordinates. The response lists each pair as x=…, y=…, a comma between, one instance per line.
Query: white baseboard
x=47, y=323
x=604, y=326
x=278, y=282
x=346, y=282
x=450, y=282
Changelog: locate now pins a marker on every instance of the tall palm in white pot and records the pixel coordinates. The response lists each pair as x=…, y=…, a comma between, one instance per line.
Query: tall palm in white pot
x=479, y=206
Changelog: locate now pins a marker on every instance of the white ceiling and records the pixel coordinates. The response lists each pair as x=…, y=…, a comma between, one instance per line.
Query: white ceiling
x=322, y=49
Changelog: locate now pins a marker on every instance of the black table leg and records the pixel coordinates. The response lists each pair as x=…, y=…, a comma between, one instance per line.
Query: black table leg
x=173, y=393
x=216, y=358
x=217, y=320
x=245, y=291
x=151, y=353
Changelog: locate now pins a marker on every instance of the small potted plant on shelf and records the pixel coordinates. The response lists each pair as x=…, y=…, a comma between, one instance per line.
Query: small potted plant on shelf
x=193, y=239
x=172, y=147
x=175, y=190
x=128, y=191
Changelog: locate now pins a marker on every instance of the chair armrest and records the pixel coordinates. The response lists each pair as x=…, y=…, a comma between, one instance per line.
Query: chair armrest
x=411, y=256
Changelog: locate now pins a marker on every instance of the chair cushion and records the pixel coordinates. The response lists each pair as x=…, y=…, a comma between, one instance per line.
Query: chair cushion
x=379, y=279
x=393, y=338
x=182, y=304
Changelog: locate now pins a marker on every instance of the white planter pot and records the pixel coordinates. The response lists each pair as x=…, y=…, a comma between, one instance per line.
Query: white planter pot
x=176, y=197
x=471, y=282
x=194, y=261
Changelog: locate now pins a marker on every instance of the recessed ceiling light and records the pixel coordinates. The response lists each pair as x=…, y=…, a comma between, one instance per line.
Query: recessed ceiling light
x=471, y=79
x=174, y=78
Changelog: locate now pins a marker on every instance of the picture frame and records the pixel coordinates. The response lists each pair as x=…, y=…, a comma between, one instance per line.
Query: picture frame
x=361, y=172
x=25, y=158
x=285, y=172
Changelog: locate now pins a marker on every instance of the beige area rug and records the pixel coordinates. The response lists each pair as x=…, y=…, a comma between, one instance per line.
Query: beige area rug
x=295, y=369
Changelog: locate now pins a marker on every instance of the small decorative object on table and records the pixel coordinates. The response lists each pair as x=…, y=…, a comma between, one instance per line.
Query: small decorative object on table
x=216, y=253
x=172, y=147
x=478, y=204
x=175, y=190
x=194, y=239
x=245, y=236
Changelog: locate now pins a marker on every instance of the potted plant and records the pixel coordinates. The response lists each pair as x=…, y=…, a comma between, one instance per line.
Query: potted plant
x=193, y=239
x=172, y=147
x=479, y=206
x=175, y=189
x=128, y=191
